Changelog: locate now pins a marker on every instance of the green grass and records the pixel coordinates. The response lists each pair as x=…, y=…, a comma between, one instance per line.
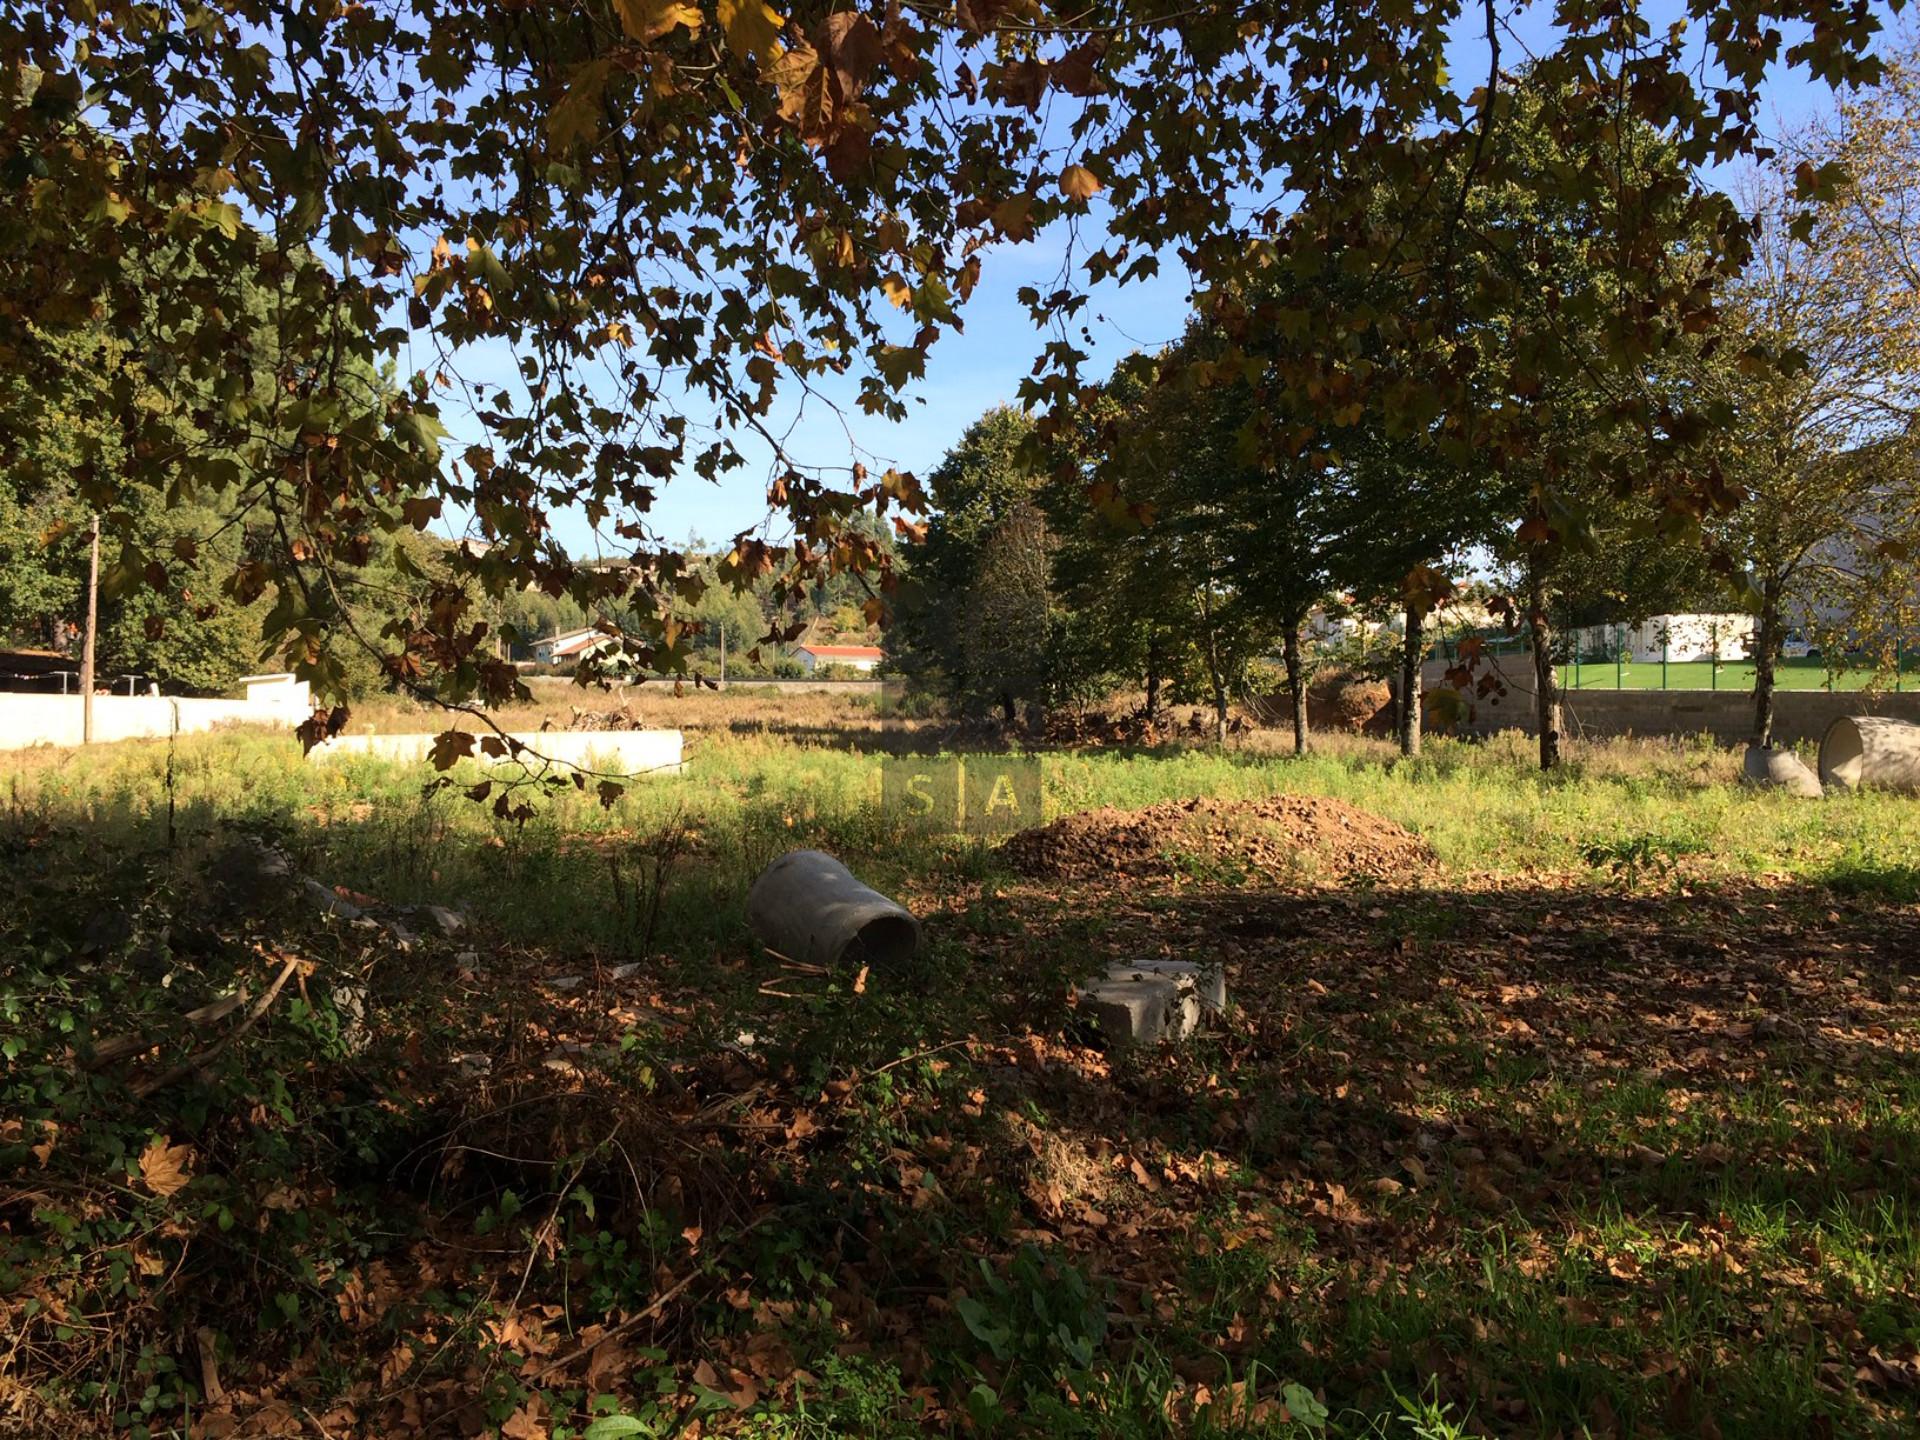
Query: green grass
x=1501, y=1149
x=571, y=872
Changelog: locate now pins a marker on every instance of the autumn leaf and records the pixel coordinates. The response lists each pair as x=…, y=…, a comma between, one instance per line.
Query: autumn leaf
x=576, y=119
x=752, y=28
x=650, y=19
x=805, y=99
x=448, y=747
x=1077, y=182
x=163, y=1165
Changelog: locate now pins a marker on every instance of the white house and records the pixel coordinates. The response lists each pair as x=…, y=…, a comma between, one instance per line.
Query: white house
x=569, y=645
x=854, y=657
x=1684, y=637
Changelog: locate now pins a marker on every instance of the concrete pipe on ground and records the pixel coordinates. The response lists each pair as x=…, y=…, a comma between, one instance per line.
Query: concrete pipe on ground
x=1871, y=750
x=807, y=906
x=1780, y=770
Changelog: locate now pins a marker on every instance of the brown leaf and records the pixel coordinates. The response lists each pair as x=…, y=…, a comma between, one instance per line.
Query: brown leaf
x=163, y=1165
x=1077, y=182
x=852, y=48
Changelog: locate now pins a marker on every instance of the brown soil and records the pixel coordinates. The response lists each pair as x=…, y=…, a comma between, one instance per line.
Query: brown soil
x=1281, y=836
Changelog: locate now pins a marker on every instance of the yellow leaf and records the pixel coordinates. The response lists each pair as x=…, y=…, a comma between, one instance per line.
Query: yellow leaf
x=163, y=1165
x=752, y=27
x=577, y=117
x=650, y=19
x=1079, y=183
x=898, y=291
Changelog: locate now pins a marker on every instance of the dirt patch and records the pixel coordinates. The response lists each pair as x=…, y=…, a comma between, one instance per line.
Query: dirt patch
x=1282, y=836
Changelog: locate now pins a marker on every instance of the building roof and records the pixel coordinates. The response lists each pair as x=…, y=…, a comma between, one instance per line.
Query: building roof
x=843, y=652
x=573, y=642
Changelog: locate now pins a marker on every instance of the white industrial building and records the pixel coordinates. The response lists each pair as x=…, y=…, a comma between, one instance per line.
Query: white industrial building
x=1672, y=637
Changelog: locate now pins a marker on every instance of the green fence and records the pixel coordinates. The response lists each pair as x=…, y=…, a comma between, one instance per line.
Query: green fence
x=1613, y=670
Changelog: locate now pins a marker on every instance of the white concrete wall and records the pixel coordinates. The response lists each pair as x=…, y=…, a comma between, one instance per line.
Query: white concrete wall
x=29, y=720
x=609, y=752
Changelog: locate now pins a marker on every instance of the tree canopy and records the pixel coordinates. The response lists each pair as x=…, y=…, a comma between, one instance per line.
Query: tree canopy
x=665, y=211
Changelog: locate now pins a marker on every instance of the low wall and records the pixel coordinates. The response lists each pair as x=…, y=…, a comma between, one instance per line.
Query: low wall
x=609, y=752
x=29, y=720
x=1725, y=715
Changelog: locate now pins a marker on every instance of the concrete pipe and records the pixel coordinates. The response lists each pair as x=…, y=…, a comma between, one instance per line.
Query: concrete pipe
x=1871, y=750
x=1780, y=770
x=807, y=906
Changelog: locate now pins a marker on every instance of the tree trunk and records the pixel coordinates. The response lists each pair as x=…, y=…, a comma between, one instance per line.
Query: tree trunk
x=1413, y=643
x=93, y=626
x=1215, y=677
x=1546, y=687
x=1766, y=648
x=1296, y=687
x=1152, y=716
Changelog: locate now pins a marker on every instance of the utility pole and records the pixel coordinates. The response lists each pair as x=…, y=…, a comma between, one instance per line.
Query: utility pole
x=86, y=645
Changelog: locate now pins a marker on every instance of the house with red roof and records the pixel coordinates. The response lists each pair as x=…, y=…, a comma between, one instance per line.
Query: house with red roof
x=853, y=657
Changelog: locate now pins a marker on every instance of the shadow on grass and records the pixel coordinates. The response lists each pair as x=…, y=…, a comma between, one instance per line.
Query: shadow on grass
x=1627, y=1163
x=1637, y=1162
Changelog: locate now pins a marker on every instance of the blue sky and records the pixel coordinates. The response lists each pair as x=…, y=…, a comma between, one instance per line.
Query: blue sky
x=983, y=366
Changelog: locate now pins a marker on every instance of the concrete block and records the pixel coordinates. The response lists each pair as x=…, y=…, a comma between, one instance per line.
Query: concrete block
x=1143, y=1009
x=1208, y=981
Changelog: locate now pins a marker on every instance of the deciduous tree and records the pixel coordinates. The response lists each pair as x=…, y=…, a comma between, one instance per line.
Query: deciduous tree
x=666, y=213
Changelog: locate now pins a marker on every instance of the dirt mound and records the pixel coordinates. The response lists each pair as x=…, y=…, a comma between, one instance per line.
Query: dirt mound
x=1283, y=836
x=1338, y=700
x=1343, y=700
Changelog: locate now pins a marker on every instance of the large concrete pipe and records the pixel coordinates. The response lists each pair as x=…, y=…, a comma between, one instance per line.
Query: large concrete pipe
x=807, y=906
x=1780, y=770
x=1871, y=750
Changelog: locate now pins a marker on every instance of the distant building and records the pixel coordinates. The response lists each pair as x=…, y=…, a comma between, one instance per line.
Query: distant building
x=854, y=657
x=1676, y=637
x=569, y=646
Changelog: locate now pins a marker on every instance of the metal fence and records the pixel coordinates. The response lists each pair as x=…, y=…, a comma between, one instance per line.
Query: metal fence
x=1582, y=666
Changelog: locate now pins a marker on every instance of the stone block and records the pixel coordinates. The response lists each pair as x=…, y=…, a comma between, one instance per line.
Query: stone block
x=1208, y=981
x=1142, y=1009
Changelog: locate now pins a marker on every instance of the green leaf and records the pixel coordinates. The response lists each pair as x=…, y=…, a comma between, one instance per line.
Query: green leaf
x=423, y=432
